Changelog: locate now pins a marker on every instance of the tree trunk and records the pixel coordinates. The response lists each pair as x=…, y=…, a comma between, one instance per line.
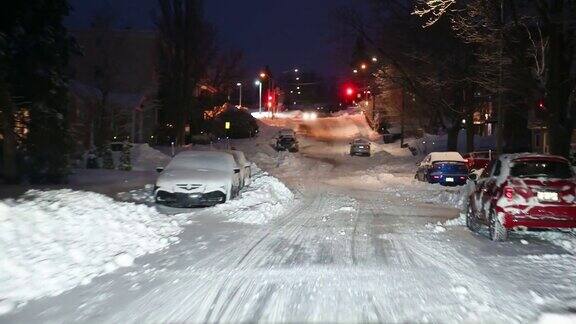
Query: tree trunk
x=469, y=131
x=452, y=142
x=10, y=168
x=559, y=84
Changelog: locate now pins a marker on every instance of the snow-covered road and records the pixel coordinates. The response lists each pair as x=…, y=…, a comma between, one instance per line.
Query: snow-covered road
x=360, y=243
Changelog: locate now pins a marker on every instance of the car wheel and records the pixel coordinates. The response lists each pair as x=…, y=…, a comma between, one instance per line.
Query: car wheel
x=497, y=231
x=471, y=220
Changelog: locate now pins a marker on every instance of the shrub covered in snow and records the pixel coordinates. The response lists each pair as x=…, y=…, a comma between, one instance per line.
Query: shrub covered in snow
x=145, y=158
x=52, y=241
x=125, y=159
x=107, y=158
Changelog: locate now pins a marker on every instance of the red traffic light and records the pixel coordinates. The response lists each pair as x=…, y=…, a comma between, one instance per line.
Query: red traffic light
x=349, y=91
x=541, y=104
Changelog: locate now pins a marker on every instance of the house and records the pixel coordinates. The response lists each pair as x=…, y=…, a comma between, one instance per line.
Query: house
x=113, y=82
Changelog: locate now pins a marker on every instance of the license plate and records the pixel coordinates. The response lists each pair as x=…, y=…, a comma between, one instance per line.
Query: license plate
x=449, y=179
x=547, y=196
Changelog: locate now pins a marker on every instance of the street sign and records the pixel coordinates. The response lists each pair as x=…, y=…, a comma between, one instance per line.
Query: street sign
x=227, y=125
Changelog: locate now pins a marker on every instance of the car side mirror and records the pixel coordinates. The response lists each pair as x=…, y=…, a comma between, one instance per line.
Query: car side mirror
x=237, y=170
x=473, y=176
x=159, y=169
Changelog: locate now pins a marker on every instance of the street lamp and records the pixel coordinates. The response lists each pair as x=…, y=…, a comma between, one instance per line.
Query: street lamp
x=262, y=75
x=363, y=66
x=374, y=59
x=296, y=70
x=259, y=84
x=239, y=85
x=355, y=71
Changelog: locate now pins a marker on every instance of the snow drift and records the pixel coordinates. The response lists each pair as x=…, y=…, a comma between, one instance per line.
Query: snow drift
x=53, y=241
x=145, y=158
x=264, y=199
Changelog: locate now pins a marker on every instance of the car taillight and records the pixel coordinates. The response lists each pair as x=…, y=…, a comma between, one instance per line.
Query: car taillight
x=509, y=193
x=436, y=177
x=462, y=178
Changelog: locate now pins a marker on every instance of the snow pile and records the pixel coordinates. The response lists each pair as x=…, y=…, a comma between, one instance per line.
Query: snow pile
x=265, y=199
x=53, y=241
x=552, y=318
x=144, y=195
x=145, y=158
x=564, y=239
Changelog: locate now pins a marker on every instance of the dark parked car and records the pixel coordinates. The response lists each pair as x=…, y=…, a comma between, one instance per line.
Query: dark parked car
x=360, y=146
x=286, y=143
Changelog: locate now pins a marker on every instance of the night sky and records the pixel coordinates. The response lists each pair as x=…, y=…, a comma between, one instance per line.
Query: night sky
x=281, y=33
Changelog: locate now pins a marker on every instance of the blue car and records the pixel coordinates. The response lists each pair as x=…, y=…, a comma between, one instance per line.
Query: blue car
x=445, y=168
x=448, y=173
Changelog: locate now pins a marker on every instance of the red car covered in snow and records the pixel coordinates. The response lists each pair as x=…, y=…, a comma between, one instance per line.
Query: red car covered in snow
x=523, y=191
x=478, y=160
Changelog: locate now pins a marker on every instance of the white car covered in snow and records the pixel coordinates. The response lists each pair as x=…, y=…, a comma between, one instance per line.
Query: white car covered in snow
x=198, y=178
x=244, y=166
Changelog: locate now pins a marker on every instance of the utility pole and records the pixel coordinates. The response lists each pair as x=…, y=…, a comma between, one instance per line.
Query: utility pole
x=239, y=85
x=500, y=125
x=402, y=116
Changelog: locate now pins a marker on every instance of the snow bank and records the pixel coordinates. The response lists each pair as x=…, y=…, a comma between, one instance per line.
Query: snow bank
x=564, y=239
x=144, y=195
x=552, y=318
x=145, y=158
x=265, y=199
x=53, y=241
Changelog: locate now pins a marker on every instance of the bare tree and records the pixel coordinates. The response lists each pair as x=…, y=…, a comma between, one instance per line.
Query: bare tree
x=186, y=47
x=531, y=44
x=105, y=70
x=432, y=65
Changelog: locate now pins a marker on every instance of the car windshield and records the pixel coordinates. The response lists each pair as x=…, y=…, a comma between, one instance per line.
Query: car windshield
x=450, y=167
x=541, y=169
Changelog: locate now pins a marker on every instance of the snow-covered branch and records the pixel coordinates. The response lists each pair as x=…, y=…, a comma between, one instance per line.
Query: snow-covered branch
x=433, y=10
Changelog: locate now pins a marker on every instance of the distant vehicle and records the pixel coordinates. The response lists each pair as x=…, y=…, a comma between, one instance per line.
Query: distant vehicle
x=287, y=143
x=478, y=160
x=360, y=146
x=196, y=179
x=244, y=166
x=445, y=168
x=523, y=191
x=309, y=115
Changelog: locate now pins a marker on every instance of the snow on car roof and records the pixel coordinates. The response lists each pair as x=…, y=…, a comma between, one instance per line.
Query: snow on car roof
x=209, y=160
x=532, y=156
x=446, y=156
x=509, y=159
x=361, y=141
